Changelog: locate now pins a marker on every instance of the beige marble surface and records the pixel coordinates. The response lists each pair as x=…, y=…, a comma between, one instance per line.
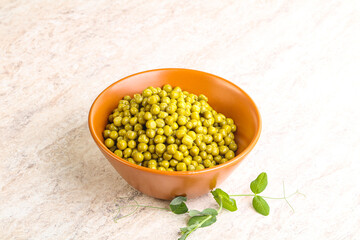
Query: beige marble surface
x=299, y=60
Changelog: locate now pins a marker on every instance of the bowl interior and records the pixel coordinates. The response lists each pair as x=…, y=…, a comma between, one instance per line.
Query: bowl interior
x=223, y=96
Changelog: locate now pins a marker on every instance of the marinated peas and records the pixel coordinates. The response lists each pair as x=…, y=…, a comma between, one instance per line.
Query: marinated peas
x=169, y=129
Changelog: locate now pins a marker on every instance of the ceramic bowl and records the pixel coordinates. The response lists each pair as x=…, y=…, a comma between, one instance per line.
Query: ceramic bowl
x=224, y=96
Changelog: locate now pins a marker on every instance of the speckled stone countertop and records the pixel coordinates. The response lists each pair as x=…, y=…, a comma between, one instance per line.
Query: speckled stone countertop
x=299, y=60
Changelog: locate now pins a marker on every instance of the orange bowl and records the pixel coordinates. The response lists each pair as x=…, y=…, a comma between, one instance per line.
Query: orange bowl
x=224, y=96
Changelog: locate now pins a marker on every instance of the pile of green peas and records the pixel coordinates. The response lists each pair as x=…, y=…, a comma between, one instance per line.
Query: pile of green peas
x=170, y=130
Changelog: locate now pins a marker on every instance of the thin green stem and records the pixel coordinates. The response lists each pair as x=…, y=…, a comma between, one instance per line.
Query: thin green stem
x=253, y=195
x=242, y=195
x=285, y=197
x=137, y=206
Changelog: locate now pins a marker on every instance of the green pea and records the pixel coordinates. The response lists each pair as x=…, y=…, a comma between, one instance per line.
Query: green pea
x=180, y=133
x=118, y=153
x=229, y=155
x=131, y=135
x=155, y=109
x=142, y=147
x=181, y=167
x=106, y=133
x=138, y=157
x=109, y=142
x=170, y=140
x=122, y=144
x=187, y=140
x=173, y=162
x=151, y=124
x=178, y=155
x=167, y=88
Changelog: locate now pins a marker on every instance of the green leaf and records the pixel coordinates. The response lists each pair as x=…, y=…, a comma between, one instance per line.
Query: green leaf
x=193, y=213
x=223, y=198
x=202, y=221
x=178, y=206
x=259, y=184
x=210, y=211
x=261, y=205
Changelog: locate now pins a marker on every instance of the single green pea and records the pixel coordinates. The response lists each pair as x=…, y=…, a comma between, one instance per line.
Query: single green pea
x=195, y=116
x=229, y=155
x=162, y=106
x=182, y=148
x=147, y=116
x=168, y=130
x=198, y=159
x=150, y=133
x=127, y=152
x=187, y=160
x=209, y=149
x=159, y=139
x=174, y=94
x=167, y=88
x=180, y=133
x=155, y=109
x=131, y=144
x=142, y=147
x=138, y=157
x=191, y=168
x=233, y=146
x=203, y=155
x=187, y=140
x=207, y=163
x=106, y=133
x=160, y=131
x=224, y=160
x=109, y=142
x=151, y=148
x=152, y=99
x=227, y=140
x=223, y=150
x=161, y=168
x=165, y=163
x=217, y=158
x=181, y=167
x=170, y=140
x=178, y=155
x=112, y=127
x=215, y=151
x=147, y=155
x=131, y=135
x=160, y=123
x=174, y=126
x=118, y=152
x=218, y=137
x=152, y=162
x=194, y=151
x=202, y=146
x=173, y=162
x=167, y=156
x=200, y=167
x=143, y=139
x=151, y=124
x=117, y=121
x=122, y=144
x=227, y=128
x=160, y=148
x=163, y=114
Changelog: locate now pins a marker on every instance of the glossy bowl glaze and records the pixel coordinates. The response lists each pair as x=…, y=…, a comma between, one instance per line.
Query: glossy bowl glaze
x=224, y=96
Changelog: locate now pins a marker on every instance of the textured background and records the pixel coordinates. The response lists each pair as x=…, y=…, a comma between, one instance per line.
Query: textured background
x=299, y=60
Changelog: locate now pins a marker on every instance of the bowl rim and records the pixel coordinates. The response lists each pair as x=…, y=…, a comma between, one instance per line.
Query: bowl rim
x=229, y=163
